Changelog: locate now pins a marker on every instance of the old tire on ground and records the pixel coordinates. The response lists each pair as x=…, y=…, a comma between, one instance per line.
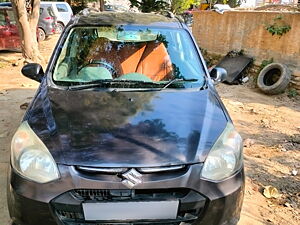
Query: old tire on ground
x=274, y=78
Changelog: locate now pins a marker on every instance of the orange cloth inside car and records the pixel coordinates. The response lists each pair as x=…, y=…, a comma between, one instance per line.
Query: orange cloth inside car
x=150, y=59
x=130, y=56
x=155, y=62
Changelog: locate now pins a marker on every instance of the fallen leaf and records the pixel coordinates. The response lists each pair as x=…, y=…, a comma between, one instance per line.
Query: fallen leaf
x=271, y=192
x=24, y=106
x=4, y=134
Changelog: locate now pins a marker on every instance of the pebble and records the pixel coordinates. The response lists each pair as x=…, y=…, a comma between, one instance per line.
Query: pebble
x=294, y=172
x=265, y=123
x=4, y=134
x=248, y=142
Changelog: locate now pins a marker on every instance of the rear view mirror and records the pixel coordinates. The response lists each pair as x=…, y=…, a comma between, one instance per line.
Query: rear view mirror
x=218, y=75
x=33, y=71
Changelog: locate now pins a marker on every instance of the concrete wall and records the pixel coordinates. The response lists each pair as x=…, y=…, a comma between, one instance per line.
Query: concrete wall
x=237, y=30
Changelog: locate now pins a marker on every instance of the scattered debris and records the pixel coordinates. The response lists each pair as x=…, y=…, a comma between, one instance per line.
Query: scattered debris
x=15, y=63
x=283, y=149
x=296, y=138
x=3, y=92
x=278, y=7
x=265, y=123
x=235, y=63
x=24, y=106
x=294, y=172
x=287, y=205
x=248, y=142
x=221, y=8
x=26, y=85
x=271, y=192
x=245, y=80
x=254, y=111
x=4, y=134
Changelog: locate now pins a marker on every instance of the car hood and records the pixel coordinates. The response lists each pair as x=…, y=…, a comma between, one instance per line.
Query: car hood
x=127, y=129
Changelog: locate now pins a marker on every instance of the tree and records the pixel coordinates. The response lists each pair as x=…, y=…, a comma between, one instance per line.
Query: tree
x=147, y=6
x=101, y=5
x=179, y=6
x=27, y=16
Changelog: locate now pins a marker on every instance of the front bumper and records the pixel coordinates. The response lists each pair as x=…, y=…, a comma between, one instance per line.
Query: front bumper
x=60, y=202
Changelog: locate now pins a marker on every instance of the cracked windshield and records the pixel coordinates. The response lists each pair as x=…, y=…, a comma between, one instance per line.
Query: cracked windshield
x=129, y=56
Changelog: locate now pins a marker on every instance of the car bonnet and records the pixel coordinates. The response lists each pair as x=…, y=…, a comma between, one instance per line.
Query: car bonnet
x=127, y=129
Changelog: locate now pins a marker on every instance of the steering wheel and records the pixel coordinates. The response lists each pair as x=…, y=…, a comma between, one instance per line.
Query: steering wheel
x=100, y=62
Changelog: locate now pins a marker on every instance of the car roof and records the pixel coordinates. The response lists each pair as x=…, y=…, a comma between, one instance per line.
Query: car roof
x=5, y=7
x=126, y=18
x=8, y=5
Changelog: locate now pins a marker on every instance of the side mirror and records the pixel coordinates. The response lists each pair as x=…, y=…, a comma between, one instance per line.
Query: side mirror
x=218, y=75
x=33, y=71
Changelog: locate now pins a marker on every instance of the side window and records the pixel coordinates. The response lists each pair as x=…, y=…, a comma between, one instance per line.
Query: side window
x=61, y=8
x=41, y=11
x=2, y=18
x=50, y=11
x=11, y=17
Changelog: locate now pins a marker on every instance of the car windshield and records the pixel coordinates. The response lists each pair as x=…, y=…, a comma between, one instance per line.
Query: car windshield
x=129, y=53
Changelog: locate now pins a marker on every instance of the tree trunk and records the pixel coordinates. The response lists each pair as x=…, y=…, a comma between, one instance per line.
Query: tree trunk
x=69, y=2
x=27, y=20
x=101, y=5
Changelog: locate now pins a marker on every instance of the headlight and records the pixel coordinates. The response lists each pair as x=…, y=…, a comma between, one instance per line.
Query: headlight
x=30, y=157
x=225, y=157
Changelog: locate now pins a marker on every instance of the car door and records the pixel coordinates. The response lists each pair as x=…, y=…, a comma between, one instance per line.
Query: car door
x=14, y=38
x=4, y=33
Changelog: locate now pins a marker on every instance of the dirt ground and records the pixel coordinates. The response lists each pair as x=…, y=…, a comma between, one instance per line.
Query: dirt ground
x=270, y=126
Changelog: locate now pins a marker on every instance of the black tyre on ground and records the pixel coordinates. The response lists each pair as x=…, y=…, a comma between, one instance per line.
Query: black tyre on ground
x=41, y=35
x=274, y=78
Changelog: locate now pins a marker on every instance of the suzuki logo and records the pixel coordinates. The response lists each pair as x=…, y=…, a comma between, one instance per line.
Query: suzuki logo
x=132, y=178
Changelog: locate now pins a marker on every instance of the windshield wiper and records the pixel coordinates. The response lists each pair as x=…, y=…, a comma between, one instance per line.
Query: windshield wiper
x=99, y=83
x=178, y=80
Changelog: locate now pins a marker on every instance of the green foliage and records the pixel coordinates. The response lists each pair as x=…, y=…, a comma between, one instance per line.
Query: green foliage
x=231, y=3
x=279, y=27
x=292, y=93
x=266, y=62
x=147, y=6
x=179, y=6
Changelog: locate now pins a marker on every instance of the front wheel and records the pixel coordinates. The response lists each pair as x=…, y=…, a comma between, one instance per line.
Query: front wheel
x=59, y=28
x=41, y=35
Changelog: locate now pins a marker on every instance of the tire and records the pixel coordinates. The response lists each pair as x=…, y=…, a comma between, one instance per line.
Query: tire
x=274, y=78
x=41, y=35
x=59, y=27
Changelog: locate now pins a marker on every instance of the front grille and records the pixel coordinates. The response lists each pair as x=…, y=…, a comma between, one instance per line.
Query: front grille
x=67, y=207
x=101, y=195
x=151, y=223
x=69, y=215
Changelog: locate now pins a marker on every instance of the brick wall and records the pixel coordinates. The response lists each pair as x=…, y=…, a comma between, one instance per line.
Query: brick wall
x=237, y=30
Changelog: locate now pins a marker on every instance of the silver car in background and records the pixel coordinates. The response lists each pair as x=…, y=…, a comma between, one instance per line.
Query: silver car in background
x=62, y=11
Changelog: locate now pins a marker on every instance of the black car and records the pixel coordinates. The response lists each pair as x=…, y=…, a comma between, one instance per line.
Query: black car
x=126, y=128
x=47, y=21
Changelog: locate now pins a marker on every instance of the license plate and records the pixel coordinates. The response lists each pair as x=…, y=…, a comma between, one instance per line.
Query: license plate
x=130, y=210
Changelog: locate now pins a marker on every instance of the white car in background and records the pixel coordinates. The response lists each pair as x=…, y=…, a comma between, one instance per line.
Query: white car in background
x=63, y=13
